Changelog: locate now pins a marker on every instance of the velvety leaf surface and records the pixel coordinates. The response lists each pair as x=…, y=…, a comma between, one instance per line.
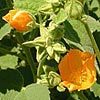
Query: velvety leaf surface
x=30, y=5
x=96, y=89
x=8, y=61
x=10, y=95
x=4, y=30
x=93, y=24
x=95, y=7
x=76, y=35
x=60, y=17
x=34, y=91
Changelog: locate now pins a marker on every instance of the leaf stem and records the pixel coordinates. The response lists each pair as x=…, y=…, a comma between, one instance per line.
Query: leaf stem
x=95, y=47
x=40, y=67
x=93, y=42
x=29, y=57
x=5, y=51
x=81, y=95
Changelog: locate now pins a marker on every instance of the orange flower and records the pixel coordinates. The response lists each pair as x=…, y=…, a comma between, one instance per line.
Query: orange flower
x=20, y=20
x=77, y=70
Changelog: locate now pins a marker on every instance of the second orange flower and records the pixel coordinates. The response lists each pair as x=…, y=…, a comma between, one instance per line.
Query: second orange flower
x=77, y=70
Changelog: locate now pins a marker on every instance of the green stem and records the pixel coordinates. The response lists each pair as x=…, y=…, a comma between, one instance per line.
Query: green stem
x=95, y=47
x=29, y=57
x=91, y=97
x=81, y=95
x=40, y=67
x=5, y=51
x=40, y=18
x=93, y=42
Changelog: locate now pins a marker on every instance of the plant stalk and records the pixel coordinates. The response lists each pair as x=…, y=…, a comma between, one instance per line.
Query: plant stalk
x=29, y=57
x=81, y=95
x=40, y=67
x=95, y=47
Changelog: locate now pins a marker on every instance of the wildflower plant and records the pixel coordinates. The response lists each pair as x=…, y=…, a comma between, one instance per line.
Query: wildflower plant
x=49, y=49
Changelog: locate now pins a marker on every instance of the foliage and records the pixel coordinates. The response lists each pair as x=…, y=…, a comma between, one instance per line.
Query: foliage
x=29, y=60
x=28, y=93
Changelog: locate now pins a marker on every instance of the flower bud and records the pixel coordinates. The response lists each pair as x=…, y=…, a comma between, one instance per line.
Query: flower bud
x=74, y=9
x=53, y=79
x=20, y=20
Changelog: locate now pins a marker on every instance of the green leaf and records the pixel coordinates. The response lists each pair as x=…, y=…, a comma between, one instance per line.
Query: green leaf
x=57, y=57
x=95, y=7
x=39, y=41
x=8, y=61
x=31, y=92
x=4, y=30
x=43, y=31
x=29, y=5
x=46, y=8
x=50, y=51
x=59, y=47
x=10, y=79
x=93, y=24
x=76, y=36
x=34, y=91
x=60, y=17
x=96, y=89
x=10, y=95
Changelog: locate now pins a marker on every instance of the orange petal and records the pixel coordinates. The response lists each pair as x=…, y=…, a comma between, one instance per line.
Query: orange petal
x=8, y=17
x=89, y=74
x=19, y=19
x=75, y=74
x=69, y=86
x=70, y=66
x=64, y=68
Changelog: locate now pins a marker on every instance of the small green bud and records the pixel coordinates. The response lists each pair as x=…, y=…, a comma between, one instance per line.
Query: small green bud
x=53, y=79
x=50, y=79
x=74, y=9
